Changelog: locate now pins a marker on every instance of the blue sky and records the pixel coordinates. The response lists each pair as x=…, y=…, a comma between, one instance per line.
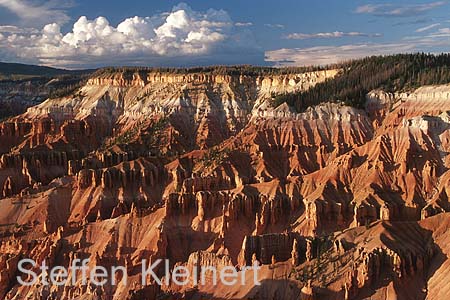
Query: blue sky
x=82, y=33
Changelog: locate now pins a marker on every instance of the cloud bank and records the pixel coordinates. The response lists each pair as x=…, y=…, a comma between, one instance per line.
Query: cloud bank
x=275, y=26
x=243, y=24
x=325, y=55
x=429, y=27
x=36, y=14
x=393, y=10
x=329, y=35
x=180, y=37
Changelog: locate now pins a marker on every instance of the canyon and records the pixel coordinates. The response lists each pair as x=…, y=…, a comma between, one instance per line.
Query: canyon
x=200, y=168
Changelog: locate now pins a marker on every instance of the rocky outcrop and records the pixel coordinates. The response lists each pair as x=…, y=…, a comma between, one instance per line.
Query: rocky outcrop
x=20, y=171
x=379, y=257
x=196, y=184
x=207, y=204
x=128, y=188
x=215, y=106
x=268, y=246
x=137, y=173
x=15, y=129
x=15, y=250
x=16, y=95
x=140, y=79
x=203, y=259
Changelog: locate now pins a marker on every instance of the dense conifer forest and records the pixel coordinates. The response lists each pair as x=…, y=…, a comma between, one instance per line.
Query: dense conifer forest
x=402, y=72
x=216, y=70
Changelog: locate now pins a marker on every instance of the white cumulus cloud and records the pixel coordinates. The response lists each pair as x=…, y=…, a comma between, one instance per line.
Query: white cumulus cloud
x=182, y=36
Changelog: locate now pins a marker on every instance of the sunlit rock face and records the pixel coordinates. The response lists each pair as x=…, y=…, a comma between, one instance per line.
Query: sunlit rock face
x=333, y=203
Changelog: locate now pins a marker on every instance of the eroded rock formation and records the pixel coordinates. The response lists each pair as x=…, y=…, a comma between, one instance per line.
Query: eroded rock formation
x=200, y=169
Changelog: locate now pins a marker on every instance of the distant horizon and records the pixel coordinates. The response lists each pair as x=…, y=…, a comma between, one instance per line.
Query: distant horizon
x=225, y=66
